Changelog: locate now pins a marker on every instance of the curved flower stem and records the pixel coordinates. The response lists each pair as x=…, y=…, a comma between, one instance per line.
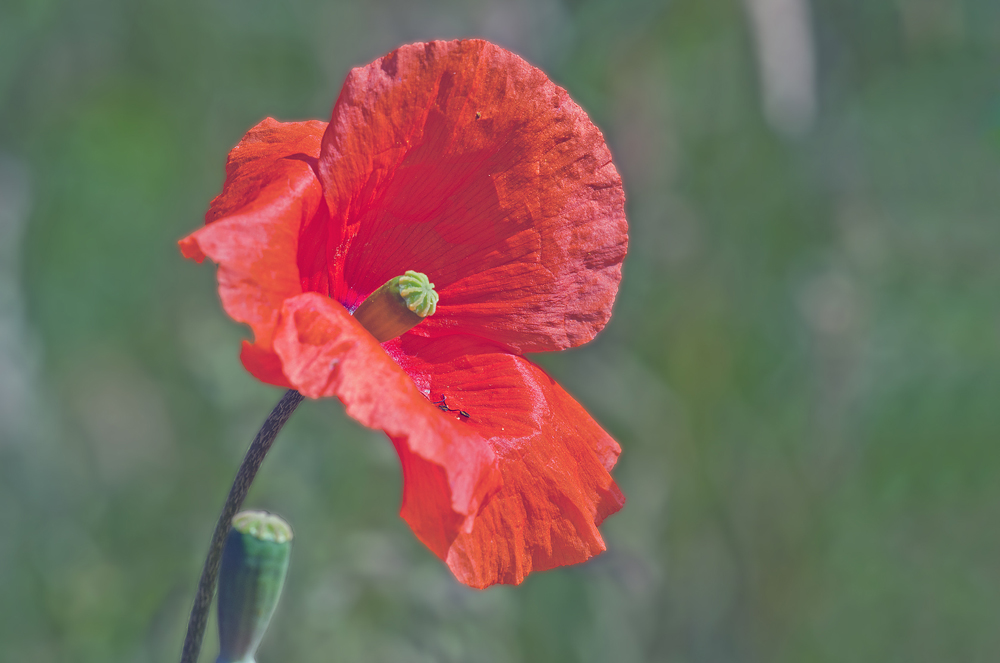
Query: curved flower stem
x=241, y=484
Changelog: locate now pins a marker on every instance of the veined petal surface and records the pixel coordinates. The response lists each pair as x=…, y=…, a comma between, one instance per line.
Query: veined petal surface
x=462, y=161
x=252, y=230
x=554, y=458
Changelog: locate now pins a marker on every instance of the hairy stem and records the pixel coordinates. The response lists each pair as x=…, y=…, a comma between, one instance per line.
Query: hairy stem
x=241, y=484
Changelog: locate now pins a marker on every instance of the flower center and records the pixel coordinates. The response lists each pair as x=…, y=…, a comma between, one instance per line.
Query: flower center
x=398, y=306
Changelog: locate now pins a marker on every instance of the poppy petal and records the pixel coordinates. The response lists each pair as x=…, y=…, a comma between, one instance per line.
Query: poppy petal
x=252, y=229
x=462, y=161
x=554, y=458
x=448, y=469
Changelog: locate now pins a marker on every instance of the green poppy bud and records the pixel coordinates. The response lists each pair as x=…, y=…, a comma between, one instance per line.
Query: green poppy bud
x=254, y=563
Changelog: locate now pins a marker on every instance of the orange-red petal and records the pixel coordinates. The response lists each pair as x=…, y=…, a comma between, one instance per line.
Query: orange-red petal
x=253, y=226
x=554, y=459
x=462, y=161
x=448, y=468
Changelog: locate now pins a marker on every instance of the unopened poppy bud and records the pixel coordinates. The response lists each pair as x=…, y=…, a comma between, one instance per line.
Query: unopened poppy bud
x=254, y=563
x=398, y=306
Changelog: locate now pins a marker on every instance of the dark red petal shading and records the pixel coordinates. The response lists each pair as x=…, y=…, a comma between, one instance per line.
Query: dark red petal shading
x=460, y=160
x=554, y=459
x=448, y=468
x=252, y=230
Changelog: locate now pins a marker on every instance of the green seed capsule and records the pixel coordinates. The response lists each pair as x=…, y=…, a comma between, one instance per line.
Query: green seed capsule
x=254, y=563
x=398, y=306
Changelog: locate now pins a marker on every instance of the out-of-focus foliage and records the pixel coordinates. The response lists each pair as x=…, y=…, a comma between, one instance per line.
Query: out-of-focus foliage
x=803, y=368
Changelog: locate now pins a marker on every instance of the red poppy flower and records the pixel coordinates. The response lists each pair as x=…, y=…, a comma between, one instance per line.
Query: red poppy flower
x=461, y=161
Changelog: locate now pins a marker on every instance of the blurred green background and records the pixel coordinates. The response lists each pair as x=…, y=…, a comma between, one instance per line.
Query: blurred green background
x=803, y=367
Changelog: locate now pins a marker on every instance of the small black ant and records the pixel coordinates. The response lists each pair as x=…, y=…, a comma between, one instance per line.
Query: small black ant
x=443, y=406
